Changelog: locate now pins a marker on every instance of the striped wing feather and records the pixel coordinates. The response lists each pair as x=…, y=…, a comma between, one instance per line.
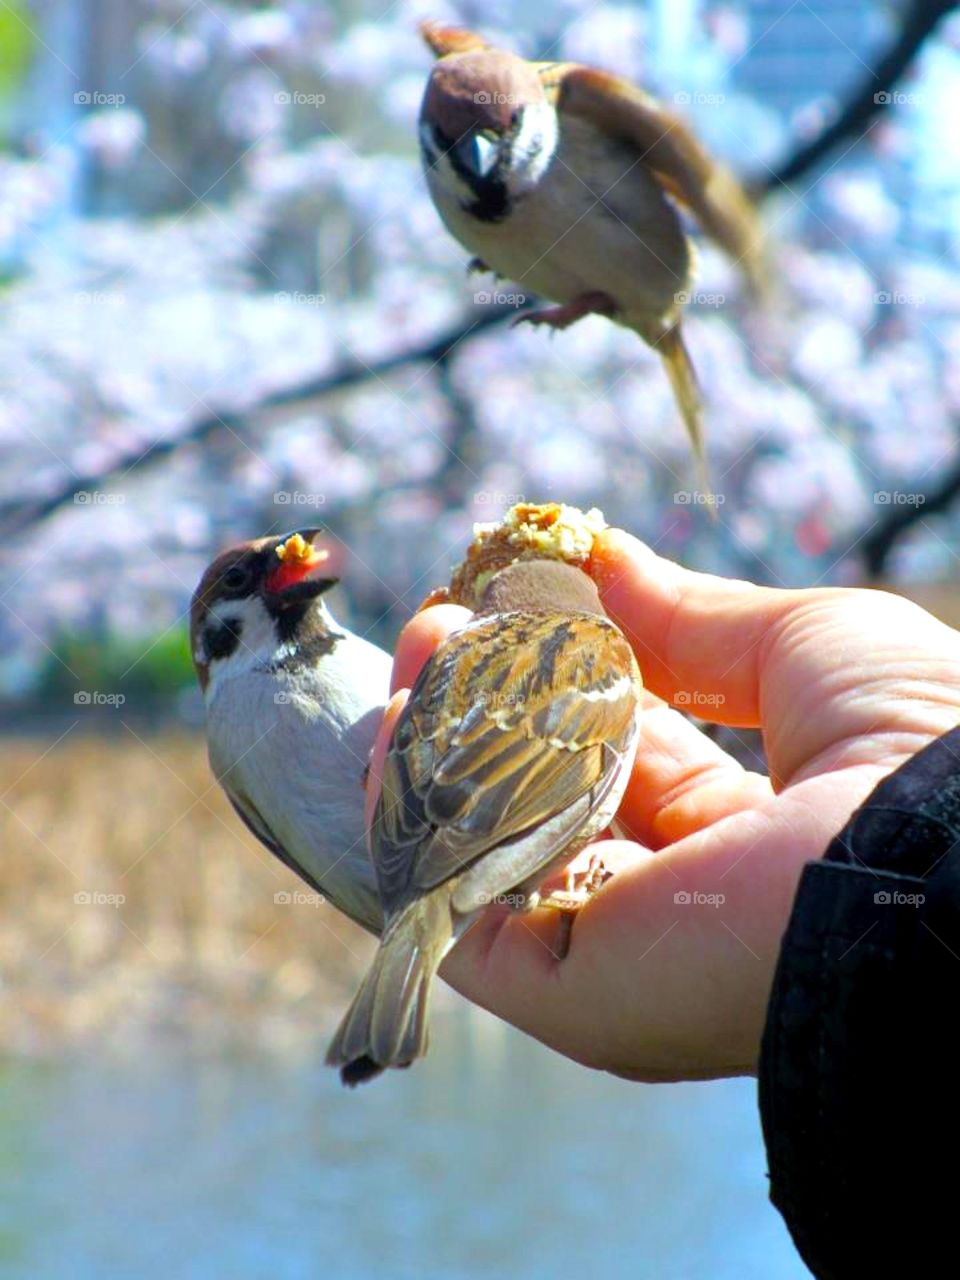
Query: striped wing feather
x=547, y=718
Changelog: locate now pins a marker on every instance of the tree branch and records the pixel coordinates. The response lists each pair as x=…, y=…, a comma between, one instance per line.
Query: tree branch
x=919, y=22
x=879, y=543
x=21, y=515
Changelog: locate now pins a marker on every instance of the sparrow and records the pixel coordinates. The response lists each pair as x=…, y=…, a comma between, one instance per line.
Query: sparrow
x=570, y=181
x=512, y=753
x=293, y=704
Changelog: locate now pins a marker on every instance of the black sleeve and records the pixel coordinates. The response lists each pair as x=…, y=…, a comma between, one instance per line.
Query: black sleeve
x=860, y=1062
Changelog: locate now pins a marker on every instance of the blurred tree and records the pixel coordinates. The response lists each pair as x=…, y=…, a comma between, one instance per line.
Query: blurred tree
x=870, y=98
x=16, y=46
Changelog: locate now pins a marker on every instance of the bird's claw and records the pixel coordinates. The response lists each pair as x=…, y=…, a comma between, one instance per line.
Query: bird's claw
x=588, y=304
x=572, y=898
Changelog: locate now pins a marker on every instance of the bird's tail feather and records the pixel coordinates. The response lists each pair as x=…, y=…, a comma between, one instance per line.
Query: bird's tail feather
x=686, y=389
x=386, y=1025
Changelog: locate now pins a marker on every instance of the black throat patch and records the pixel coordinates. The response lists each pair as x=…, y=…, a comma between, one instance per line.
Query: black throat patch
x=492, y=201
x=306, y=651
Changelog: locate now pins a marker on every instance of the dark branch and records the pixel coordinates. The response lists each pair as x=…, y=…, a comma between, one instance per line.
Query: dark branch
x=883, y=537
x=919, y=22
x=20, y=516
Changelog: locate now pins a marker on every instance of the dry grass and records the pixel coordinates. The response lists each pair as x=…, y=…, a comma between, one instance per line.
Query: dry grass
x=197, y=943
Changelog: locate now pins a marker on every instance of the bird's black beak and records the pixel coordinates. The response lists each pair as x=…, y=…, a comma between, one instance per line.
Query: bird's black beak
x=302, y=573
x=308, y=589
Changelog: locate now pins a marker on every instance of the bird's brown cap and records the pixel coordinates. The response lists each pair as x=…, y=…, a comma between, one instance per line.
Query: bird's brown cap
x=478, y=92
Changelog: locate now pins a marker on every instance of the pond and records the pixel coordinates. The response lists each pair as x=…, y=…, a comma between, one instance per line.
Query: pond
x=492, y=1158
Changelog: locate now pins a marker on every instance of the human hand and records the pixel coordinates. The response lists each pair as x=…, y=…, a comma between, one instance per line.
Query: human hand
x=670, y=964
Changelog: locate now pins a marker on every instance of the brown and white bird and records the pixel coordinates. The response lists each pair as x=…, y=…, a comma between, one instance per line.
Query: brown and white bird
x=512, y=753
x=570, y=182
x=294, y=702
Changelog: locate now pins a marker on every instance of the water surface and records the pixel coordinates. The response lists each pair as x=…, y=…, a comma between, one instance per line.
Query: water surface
x=492, y=1158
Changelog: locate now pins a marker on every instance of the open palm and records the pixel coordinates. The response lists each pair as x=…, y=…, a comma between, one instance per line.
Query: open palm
x=670, y=965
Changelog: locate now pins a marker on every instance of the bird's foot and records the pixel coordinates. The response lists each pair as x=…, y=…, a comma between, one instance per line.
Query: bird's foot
x=587, y=304
x=577, y=891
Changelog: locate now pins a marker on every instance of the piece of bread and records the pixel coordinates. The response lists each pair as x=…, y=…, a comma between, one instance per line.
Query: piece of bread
x=528, y=531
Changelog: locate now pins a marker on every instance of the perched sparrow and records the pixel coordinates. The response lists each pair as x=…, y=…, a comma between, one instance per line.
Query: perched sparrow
x=564, y=179
x=512, y=753
x=294, y=702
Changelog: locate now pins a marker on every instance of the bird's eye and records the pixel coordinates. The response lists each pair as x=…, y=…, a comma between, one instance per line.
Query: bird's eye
x=237, y=578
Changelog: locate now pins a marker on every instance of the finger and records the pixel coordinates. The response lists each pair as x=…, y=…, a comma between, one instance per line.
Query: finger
x=698, y=638
x=669, y=968
x=420, y=637
x=378, y=755
x=682, y=781
x=650, y=988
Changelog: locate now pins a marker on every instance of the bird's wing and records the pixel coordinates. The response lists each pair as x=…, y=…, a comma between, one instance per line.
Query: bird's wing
x=669, y=148
x=548, y=717
x=443, y=40
x=252, y=819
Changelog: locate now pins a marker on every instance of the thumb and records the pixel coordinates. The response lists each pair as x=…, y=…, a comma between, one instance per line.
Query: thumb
x=699, y=639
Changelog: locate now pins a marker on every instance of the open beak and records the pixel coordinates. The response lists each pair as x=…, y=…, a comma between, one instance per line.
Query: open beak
x=301, y=573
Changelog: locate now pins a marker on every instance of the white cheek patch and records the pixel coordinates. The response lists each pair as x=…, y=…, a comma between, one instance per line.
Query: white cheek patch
x=258, y=638
x=534, y=146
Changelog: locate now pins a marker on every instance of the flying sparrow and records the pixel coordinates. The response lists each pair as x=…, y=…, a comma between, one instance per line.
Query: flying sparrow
x=293, y=702
x=567, y=180
x=511, y=754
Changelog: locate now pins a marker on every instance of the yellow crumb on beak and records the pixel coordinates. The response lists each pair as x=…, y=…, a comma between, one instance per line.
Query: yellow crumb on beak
x=296, y=550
